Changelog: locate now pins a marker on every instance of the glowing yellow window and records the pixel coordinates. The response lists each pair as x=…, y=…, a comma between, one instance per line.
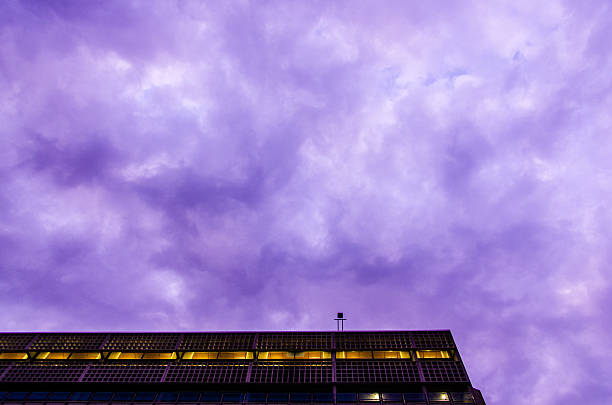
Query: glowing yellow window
x=275, y=356
x=13, y=356
x=125, y=356
x=200, y=355
x=85, y=356
x=432, y=354
x=235, y=355
x=160, y=356
x=354, y=355
x=391, y=354
x=313, y=355
x=52, y=355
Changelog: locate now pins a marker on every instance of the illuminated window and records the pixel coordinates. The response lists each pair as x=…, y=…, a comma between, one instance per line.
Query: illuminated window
x=52, y=356
x=13, y=356
x=354, y=355
x=235, y=355
x=391, y=354
x=160, y=356
x=432, y=354
x=438, y=396
x=85, y=356
x=124, y=356
x=275, y=356
x=369, y=397
x=313, y=355
x=200, y=355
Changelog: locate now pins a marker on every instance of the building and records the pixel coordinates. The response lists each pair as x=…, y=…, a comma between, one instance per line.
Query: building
x=384, y=367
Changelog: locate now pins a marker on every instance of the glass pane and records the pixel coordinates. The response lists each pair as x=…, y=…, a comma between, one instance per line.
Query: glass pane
x=302, y=397
x=438, y=396
x=354, y=355
x=323, y=397
x=235, y=355
x=392, y=397
x=167, y=396
x=346, y=397
x=80, y=396
x=414, y=397
x=278, y=397
x=211, y=397
x=85, y=356
x=145, y=396
x=433, y=354
x=200, y=355
x=16, y=395
x=256, y=397
x=2, y=394
x=364, y=397
x=13, y=356
x=101, y=396
x=232, y=397
x=189, y=397
x=312, y=355
x=123, y=396
x=159, y=356
x=38, y=396
x=59, y=396
x=462, y=396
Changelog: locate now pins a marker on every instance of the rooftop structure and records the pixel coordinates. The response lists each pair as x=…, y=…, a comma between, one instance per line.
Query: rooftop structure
x=384, y=367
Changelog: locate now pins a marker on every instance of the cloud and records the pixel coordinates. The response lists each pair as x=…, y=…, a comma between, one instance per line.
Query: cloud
x=232, y=166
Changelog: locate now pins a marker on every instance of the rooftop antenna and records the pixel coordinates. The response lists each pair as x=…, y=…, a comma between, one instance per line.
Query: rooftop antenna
x=339, y=319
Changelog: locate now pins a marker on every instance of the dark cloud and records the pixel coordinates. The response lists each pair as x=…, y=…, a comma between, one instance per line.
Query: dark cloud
x=180, y=165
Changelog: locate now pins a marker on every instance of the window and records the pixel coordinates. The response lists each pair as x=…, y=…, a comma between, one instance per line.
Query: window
x=59, y=396
x=211, y=397
x=38, y=396
x=300, y=397
x=85, y=356
x=433, y=354
x=256, y=397
x=392, y=397
x=275, y=356
x=200, y=355
x=160, y=356
x=415, y=397
x=465, y=397
x=101, y=396
x=16, y=396
x=354, y=355
x=235, y=355
x=369, y=397
x=312, y=355
x=123, y=396
x=189, y=397
x=167, y=396
x=13, y=356
x=346, y=397
x=391, y=354
x=275, y=397
x=80, y=396
x=124, y=356
x=52, y=356
x=323, y=397
x=438, y=396
x=232, y=397
x=145, y=396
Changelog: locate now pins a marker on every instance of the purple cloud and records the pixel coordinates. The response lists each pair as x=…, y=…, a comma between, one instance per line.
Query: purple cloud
x=238, y=166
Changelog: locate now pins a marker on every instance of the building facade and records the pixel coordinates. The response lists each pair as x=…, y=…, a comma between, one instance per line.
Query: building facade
x=254, y=368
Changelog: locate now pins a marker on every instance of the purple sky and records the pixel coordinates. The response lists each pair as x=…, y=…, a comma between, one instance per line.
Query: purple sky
x=262, y=165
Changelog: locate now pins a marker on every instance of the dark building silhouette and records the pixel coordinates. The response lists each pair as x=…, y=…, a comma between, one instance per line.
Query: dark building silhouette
x=254, y=368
